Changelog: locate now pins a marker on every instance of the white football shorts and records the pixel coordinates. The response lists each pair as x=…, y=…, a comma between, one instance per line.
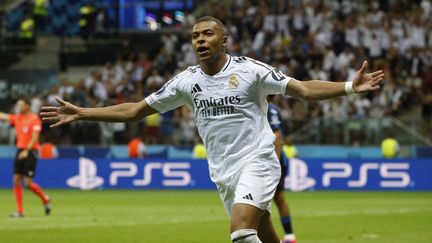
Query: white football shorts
x=255, y=185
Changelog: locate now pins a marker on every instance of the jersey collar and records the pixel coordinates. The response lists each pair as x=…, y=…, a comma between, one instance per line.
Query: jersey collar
x=224, y=68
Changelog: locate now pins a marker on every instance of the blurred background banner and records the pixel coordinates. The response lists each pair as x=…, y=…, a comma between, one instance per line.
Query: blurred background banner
x=87, y=174
x=17, y=83
x=310, y=174
x=347, y=174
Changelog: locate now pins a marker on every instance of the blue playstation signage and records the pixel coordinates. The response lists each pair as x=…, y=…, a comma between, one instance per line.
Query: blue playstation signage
x=87, y=174
x=311, y=174
x=316, y=174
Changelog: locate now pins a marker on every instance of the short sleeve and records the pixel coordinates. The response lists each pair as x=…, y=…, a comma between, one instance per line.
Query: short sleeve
x=12, y=119
x=168, y=97
x=271, y=80
x=37, y=125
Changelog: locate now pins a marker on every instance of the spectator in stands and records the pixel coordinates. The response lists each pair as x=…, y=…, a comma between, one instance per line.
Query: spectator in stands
x=87, y=20
x=107, y=133
x=168, y=126
x=152, y=128
x=154, y=81
x=27, y=31
x=144, y=61
x=186, y=133
x=79, y=95
x=40, y=12
x=426, y=99
x=66, y=89
x=126, y=50
x=101, y=22
x=289, y=149
x=390, y=147
x=199, y=151
x=3, y=26
x=48, y=151
x=4, y=132
x=36, y=104
x=120, y=133
x=137, y=148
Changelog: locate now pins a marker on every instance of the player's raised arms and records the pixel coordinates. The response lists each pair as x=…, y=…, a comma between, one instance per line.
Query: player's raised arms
x=321, y=90
x=67, y=112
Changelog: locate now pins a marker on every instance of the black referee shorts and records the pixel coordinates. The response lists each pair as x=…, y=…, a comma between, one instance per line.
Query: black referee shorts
x=27, y=166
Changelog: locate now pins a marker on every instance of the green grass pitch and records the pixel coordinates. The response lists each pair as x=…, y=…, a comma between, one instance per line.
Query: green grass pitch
x=198, y=216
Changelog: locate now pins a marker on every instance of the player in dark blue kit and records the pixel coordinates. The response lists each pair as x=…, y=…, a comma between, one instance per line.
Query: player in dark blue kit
x=275, y=120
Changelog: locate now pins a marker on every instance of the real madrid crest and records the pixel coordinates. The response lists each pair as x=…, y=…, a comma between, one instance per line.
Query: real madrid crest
x=233, y=82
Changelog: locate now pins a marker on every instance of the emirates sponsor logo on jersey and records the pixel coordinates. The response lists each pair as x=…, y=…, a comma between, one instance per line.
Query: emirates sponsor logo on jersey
x=223, y=101
x=217, y=106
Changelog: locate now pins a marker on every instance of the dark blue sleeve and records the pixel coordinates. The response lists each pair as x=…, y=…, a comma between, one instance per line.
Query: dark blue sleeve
x=274, y=117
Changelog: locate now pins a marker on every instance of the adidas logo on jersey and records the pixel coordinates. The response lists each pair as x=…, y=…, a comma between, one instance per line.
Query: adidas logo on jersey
x=248, y=197
x=196, y=88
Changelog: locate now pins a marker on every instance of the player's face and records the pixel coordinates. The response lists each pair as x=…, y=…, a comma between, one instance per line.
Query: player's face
x=208, y=41
x=22, y=107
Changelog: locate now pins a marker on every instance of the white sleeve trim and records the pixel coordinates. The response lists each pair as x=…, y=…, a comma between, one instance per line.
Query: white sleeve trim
x=150, y=100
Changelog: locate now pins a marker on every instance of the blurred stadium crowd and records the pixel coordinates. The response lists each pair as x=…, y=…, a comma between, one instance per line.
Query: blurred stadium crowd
x=325, y=40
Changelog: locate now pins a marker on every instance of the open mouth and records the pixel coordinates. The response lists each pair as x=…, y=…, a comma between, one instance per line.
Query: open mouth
x=202, y=50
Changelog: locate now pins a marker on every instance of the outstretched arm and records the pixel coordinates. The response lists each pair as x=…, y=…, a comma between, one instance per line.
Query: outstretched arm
x=67, y=112
x=322, y=90
x=4, y=116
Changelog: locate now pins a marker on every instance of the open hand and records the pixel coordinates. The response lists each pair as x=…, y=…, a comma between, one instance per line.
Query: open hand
x=23, y=154
x=364, y=82
x=59, y=115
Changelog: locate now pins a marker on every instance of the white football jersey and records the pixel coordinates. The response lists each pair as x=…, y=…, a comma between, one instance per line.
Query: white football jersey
x=230, y=111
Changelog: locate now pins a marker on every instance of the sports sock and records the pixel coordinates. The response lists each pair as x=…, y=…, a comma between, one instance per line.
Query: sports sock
x=290, y=237
x=38, y=191
x=286, y=223
x=18, y=198
x=245, y=236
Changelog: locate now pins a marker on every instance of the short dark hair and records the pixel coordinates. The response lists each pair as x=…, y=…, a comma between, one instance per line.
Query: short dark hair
x=25, y=100
x=210, y=18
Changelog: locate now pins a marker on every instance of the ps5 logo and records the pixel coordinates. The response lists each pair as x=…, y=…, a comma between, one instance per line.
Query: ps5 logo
x=174, y=174
x=87, y=178
x=393, y=175
x=298, y=179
